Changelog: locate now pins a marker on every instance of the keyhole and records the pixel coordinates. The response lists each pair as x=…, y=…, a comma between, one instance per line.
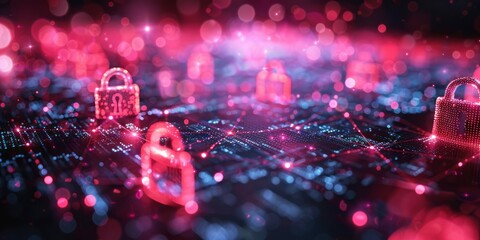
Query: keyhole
x=117, y=103
x=461, y=124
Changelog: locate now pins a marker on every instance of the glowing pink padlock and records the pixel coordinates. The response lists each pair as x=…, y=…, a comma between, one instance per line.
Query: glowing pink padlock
x=168, y=175
x=273, y=84
x=458, y=121
x=117, y=101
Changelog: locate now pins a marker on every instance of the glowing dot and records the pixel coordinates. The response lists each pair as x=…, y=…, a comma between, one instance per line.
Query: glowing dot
x=110, y=117
x=371, y=147
x=332, y=103
x=17, y=129
x=147, y=29
x=166, y=112
x=48, y=180
x=460, y=164
x=90, y=200
x=45, y=109
x=146, y=181
x=6, y=64
x=359, y=218
x=287, y=165
x=62, y=202
x=204, y=155
x=191, y=207
x=433, y=137
x=230, y=133
x=218, y=176
x=346, y=115
x=134, y=134
x=420, y=189
x=382, y=28
x=5, y=36
x=28, y=144
x=350, y=82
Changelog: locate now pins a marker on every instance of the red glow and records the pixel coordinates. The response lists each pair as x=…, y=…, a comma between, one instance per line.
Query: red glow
x=359, y=218
x=438, y=223
x=62, y=202
x=420, y=189
x=90, y=200
x=48, y=180
x=382, y=28
x=191, y=207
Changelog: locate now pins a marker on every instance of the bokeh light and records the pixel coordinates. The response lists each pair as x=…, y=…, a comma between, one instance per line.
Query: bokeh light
x=5, y=36
x=6, y=64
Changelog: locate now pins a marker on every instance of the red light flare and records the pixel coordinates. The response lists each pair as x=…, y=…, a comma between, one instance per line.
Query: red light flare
x=359, y=218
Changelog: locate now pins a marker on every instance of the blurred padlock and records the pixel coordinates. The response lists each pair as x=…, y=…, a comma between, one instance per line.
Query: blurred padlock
x=362, y=75
x=168, y=175
x=458, y=121
x=117, y=101
x=201, y=67
x=273, y=84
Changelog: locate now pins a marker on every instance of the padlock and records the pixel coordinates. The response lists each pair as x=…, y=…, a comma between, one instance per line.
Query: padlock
x=168, y=175
x=362, y=75
x=273, y=84
x=458, y=121
x=201, y=67
x=117, y=101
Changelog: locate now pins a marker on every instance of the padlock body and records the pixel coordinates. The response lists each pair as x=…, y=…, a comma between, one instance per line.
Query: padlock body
x=273, y=87
x=457, y=121
x=167, y=179
x=117, y=101
x=365, y=74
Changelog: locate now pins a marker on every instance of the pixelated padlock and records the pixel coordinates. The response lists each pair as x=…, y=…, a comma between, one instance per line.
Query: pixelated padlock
x=458, y=121
x=362, y=75
x=168, y=175
x=117, y=101
x=273, y=84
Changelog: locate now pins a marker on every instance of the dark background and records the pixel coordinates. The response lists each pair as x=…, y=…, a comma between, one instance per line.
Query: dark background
x=458, y=19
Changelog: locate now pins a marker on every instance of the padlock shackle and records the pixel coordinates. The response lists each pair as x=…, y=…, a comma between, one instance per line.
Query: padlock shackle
x=275, y=66
x=165, y=130
x=452, y=86
x=116, y=71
